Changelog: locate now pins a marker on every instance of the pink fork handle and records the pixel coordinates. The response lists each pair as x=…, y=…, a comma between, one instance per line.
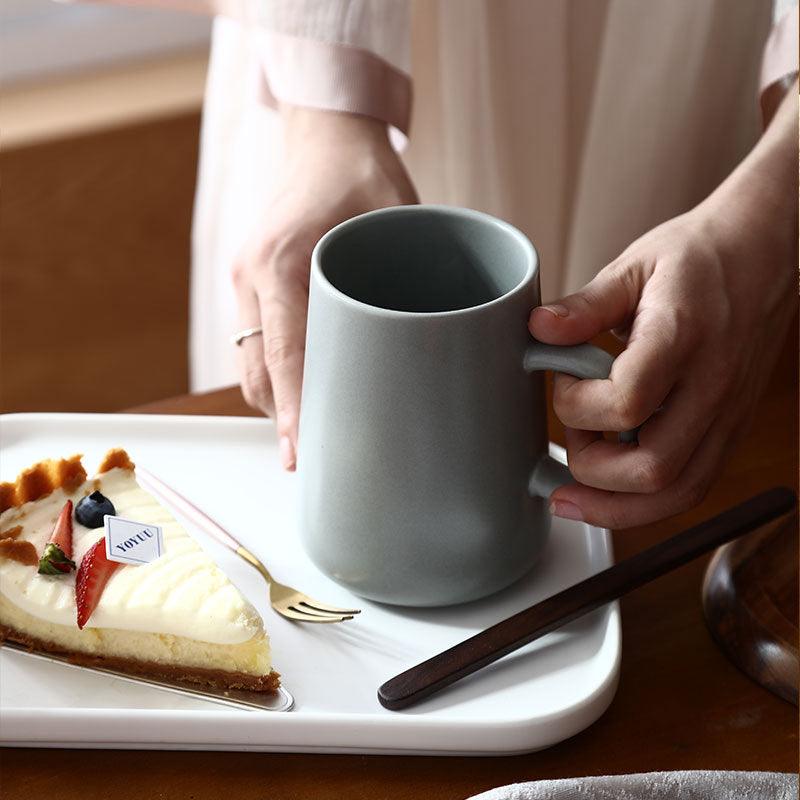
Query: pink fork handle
x=188, y=509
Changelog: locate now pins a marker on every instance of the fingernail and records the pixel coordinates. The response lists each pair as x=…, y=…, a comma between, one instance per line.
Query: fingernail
x=556, y=309
x=565, y=510
x=287, y=453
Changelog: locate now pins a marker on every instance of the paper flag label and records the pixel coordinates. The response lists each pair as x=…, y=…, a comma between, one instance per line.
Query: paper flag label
x=131, y=542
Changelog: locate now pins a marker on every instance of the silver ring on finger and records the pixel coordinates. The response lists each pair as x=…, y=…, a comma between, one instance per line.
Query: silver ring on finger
x=245, y=333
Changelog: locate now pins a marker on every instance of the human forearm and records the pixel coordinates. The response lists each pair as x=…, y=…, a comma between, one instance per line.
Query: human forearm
x=760, y=195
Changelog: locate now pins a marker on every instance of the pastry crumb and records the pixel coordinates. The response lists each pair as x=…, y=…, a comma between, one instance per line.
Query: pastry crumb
x=23, y=552
x=11, y=533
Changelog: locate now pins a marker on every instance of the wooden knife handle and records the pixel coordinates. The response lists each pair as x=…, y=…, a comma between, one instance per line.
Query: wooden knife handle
x=469, y=656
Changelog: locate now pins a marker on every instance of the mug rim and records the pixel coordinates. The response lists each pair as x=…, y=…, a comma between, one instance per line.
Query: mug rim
x=325, y=284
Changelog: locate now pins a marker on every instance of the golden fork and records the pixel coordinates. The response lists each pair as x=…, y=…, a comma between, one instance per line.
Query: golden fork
x=287, y=601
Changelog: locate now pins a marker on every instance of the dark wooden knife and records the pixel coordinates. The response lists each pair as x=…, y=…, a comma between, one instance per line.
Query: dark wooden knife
x=469, y=656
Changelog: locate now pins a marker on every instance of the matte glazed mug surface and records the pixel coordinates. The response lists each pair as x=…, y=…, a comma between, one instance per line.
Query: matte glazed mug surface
x=423, y=449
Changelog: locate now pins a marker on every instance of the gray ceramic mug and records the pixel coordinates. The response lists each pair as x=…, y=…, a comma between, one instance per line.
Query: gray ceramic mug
x=423, y=449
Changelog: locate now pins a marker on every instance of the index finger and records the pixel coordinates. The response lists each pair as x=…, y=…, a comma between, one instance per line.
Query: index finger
x=641, y=378
x=284, y=309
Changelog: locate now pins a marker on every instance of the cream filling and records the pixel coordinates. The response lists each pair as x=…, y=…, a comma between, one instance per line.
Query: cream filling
x=183, y=593
x=251, y=657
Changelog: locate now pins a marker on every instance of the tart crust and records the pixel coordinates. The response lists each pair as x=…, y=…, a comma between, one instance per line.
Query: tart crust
x=43, y=478
x=46, y=476
x=219, y=679
x=116, y=457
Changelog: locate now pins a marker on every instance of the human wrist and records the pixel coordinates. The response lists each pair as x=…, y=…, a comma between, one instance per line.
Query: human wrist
x=311, y=127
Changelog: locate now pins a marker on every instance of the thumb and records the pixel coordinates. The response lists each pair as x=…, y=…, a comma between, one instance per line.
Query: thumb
x=606, y=302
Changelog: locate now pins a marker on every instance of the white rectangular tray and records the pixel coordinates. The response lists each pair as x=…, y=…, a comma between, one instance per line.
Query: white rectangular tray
x=229, y=466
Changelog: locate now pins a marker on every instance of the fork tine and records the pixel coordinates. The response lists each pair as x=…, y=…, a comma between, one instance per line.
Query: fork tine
x=316, y=613
x=317, y=606
x=301, y=616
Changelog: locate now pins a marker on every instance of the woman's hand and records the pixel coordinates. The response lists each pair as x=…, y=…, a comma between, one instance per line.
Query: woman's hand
x=337, y=165
x=703, y=302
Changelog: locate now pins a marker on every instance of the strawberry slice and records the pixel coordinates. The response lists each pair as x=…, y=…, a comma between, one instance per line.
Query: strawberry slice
x=57, y=556
x=93, y=575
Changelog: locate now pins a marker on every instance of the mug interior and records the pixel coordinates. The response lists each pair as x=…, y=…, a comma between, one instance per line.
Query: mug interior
x=425, y=260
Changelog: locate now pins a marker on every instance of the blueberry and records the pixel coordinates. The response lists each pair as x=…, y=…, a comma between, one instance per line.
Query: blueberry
x=91, y=510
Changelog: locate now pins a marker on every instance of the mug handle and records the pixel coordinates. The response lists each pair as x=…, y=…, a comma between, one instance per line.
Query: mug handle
x=582, y=361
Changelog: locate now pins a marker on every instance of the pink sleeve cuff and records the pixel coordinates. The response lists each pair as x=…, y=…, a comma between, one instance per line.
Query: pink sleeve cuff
x=333, y=76
x=781, y=52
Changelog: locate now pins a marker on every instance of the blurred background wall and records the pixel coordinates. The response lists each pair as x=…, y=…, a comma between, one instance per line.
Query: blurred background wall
x=100, y=116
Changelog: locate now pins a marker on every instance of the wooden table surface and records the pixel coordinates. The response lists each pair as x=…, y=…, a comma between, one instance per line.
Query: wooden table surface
x=680, y=703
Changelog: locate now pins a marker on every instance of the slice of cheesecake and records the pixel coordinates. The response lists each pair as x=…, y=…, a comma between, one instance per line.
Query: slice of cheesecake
x=177, y=617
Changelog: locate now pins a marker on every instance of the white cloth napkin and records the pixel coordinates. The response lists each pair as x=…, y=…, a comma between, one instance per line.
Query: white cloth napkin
x=695, y=785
